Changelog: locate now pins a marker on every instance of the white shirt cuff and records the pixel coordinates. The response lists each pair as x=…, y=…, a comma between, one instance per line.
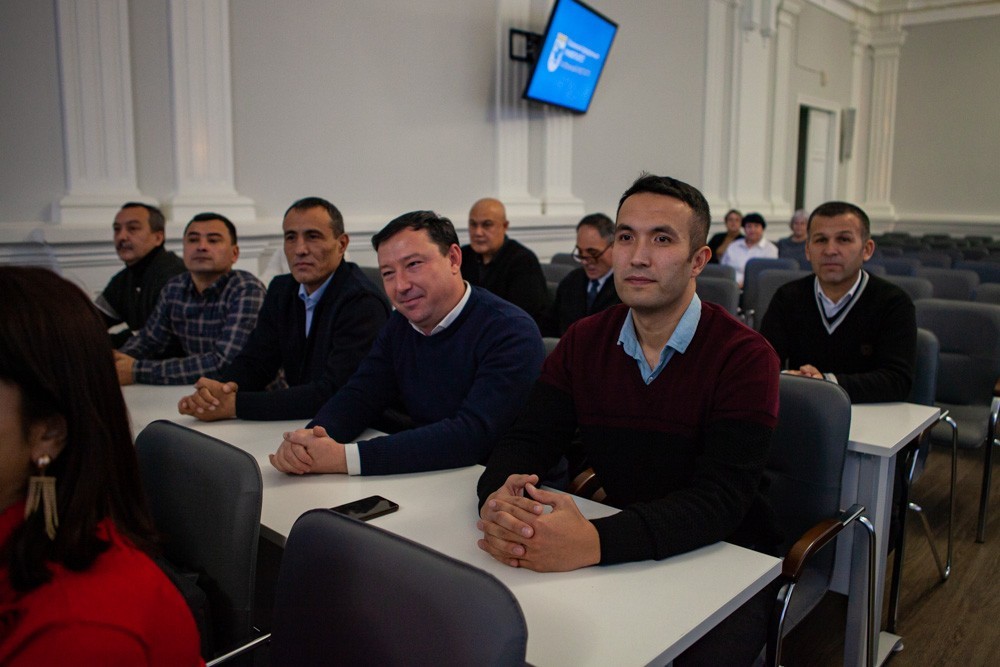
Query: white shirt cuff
x=353, y=457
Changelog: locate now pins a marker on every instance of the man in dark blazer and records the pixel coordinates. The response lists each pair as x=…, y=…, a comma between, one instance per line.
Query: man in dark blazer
x=316, y=326
x=590, y=288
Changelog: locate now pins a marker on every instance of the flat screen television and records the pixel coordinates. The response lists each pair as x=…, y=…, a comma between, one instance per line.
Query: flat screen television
x=574, y=48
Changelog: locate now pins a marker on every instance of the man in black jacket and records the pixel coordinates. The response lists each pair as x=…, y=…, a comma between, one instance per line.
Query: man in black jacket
x=316, y=326
x=590, y=288
x=500, y=264
x=131, y=294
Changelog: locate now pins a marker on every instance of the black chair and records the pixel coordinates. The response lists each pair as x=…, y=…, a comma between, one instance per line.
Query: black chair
x=374, y=275
x=352, y=594
x=916, y=288
x=565, y=258
x=554, y=273
x=719, y=271
x=951, y=283
x=769, y=282
x=722, y=291
x=751, y=271
x=988, y=272
x=804, y=472
x=924, y=391
x=901, y=266
x=969, y=367
x=988, y=293
x=205, y=498
x=876, y=269
x=934, y=258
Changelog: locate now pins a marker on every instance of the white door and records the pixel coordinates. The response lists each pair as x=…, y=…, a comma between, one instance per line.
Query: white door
x=820, y=158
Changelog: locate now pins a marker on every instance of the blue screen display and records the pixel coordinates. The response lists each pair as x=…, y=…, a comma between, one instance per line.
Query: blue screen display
x=573, y=53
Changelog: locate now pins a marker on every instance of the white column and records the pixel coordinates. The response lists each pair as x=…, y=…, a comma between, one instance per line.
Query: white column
x=751, y=151
x=715, y=141
x=557, y=177
x=511, y=114
x=780, y=130
x=886, y=43
x=202, y=104
x=96, y=82
x=854, y=187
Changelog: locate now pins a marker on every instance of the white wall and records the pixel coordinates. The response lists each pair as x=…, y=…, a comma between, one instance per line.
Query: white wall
x=946, y=166
x=388, y=105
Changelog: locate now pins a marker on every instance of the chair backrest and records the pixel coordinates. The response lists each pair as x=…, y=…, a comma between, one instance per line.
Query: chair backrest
x=768, y=283
x=374, y=275
x=550, y=343
x=722, y=291
x=876, y=269
x=988, y=272
x=719, y=271
x=803, y=472
x=988, y=293
x=556, y=272
x=753, y=269
x=969, y=359
x=916, y=288
x=951, y=283
x=564, y=258
x=205, y=498
x=933, y=258
x=352, y=594
x=924, y=388
x=901, y=266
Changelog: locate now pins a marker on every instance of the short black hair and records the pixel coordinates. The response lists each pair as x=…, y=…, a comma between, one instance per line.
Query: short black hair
x=157, y=222
x=604, y=225
x=754, y=217
x=205, y=217
x=306, y=203
x=438, y=227
x=690, y=195
x=832, y=209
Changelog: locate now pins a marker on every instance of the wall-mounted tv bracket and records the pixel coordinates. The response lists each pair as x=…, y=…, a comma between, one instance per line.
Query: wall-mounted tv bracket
x=530, y=43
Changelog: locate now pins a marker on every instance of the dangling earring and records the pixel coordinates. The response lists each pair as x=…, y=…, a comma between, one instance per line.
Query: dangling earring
x=42, y=489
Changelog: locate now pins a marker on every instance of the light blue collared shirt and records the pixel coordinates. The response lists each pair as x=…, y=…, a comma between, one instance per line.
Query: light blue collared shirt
x=678, y=342
x=311, y=300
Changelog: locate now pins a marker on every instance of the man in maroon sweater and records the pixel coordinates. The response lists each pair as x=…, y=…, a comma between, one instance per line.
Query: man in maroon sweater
x=674, y=402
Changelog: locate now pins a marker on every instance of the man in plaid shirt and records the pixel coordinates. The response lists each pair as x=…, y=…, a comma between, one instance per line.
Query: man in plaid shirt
x=209, y=311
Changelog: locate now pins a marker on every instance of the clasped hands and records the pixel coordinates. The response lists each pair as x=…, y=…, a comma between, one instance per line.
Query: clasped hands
x=518, y=532
x=212, y=400
x=808, y=370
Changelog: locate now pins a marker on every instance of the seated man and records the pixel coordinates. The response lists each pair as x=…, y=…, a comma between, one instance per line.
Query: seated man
x=500, y=264
x=590, y=288
x=794, y=246
x=842, y=323
x=752, y=245
x=209, y=311
x=459, y=360
x=131, y=294
x=316, y=326
x=674, y=402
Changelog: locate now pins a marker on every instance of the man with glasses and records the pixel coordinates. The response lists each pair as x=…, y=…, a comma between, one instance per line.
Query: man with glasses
x=500, y=264
x=590, y=288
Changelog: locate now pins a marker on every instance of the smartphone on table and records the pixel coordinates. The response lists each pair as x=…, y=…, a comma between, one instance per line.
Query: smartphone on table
x=367, y=508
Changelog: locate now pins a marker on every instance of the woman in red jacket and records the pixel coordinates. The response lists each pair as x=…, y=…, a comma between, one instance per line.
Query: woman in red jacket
x=76, y=583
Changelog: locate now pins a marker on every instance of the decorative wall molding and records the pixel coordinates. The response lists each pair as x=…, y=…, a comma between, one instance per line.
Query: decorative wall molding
x=98, y=131
x=201, y=89
x=787, y=20
x=511, y=113
x=885, y=45
x=557, y=179
x=715, y=164
x=854, y=188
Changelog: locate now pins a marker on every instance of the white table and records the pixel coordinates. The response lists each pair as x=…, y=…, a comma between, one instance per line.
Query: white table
x=633, y=613
x=878, y=432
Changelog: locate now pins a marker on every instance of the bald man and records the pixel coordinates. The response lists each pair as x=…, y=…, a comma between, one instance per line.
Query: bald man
x=500, y=264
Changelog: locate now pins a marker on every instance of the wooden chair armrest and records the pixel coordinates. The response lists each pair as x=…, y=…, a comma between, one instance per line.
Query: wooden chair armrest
x=815, y=539
x=587, y=485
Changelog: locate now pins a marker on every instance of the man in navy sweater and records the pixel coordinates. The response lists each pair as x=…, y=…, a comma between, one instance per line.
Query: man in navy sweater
x=457, y=359
x=316, y=325
x=673, y=402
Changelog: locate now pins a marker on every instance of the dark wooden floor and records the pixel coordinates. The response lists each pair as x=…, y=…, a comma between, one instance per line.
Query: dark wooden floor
x=952, y=623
